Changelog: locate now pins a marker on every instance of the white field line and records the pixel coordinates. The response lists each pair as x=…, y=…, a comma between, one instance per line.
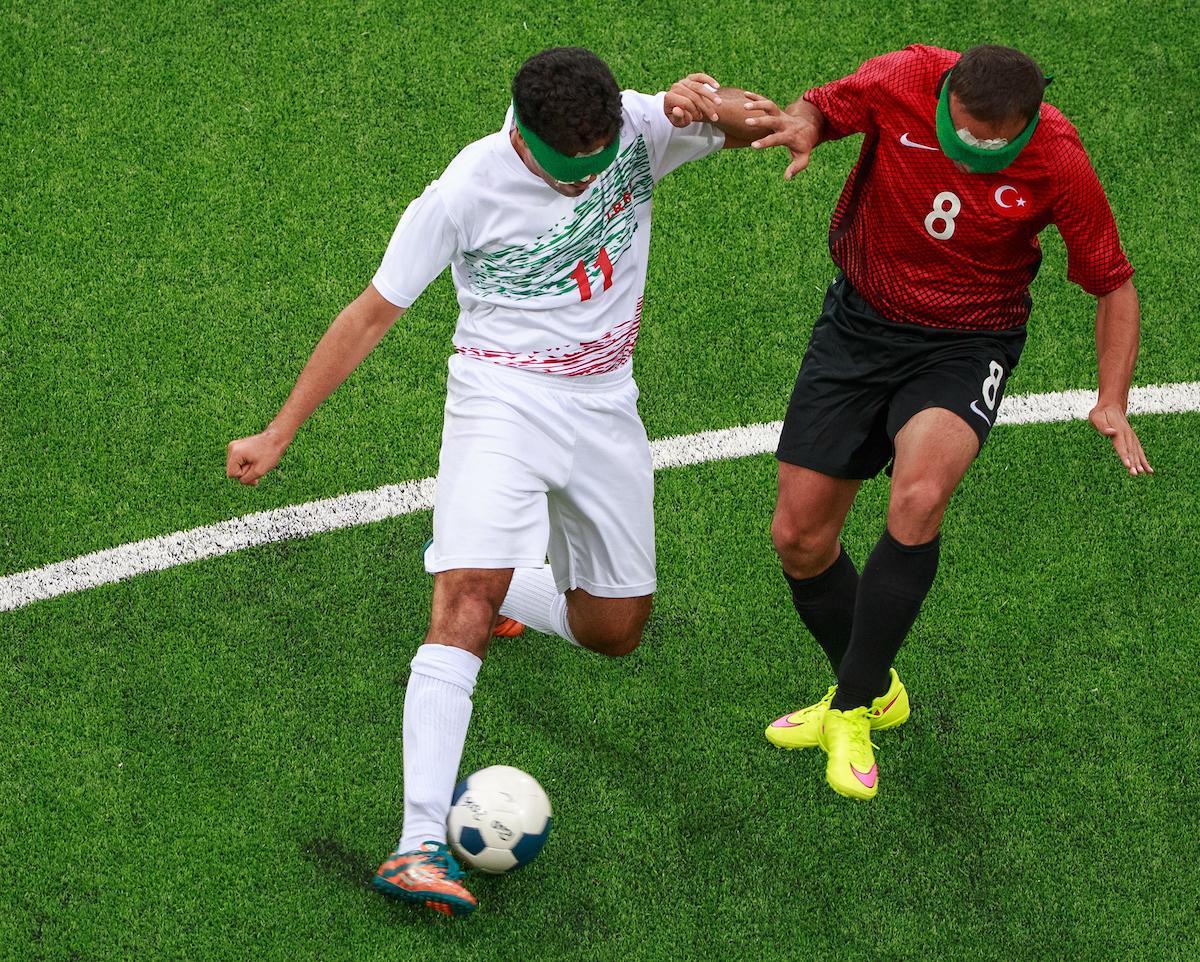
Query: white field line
x=363, y=507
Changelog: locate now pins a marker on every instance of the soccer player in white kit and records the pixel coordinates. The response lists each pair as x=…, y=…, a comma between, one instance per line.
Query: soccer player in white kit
x=545, y=225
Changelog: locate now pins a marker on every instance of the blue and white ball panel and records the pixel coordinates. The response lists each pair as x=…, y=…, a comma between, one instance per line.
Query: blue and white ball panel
x=531, y=843
x=499, y=819
x=471, y=840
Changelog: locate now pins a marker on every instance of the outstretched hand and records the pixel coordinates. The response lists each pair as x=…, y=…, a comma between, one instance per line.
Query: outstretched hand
x=1111, y=421
x=692, y=99
x=798, y=134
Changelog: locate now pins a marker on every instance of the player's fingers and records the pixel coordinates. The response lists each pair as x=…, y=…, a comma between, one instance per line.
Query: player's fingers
x=776, y=123
x=682, y=105
x=704, y=88
x=1136, y=458
x=779, y=138
x=1123, y=443
x=799, y=162
x=679, y=117
x=695, y=110
x=1137, y=455
x=1140, y=463
x=703, y=109
x=681, y=93
x=1123, y=453
x=703, y=78
x=231, y=460
x=706, y=100
x=757, y=102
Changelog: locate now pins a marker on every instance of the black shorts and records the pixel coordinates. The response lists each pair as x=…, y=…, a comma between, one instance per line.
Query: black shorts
x=863, y=377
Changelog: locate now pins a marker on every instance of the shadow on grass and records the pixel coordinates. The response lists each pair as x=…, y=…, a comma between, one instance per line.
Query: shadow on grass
x=333, y=858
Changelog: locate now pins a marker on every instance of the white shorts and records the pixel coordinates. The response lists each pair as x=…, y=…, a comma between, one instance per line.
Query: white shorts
x=539, y=464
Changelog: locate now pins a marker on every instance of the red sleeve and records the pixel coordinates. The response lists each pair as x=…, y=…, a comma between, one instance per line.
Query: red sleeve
x=1095, y=260
x=851, y=105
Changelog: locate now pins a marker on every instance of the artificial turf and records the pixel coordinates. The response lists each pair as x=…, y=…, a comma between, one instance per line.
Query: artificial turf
x=205, y=763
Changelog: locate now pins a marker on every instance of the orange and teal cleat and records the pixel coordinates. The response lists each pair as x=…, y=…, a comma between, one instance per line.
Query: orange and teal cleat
x=801, y=728
x=845, y=737
x=429, y=877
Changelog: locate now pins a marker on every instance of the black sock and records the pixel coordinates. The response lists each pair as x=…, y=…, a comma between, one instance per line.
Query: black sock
x=895, y=580
x=826, y=605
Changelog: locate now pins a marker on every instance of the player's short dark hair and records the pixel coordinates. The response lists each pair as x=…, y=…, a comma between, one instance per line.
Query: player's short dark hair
x=996, y=83
x=569, y=98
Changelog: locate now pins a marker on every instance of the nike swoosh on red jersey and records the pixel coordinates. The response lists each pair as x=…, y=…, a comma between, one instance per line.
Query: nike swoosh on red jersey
x=912, y=143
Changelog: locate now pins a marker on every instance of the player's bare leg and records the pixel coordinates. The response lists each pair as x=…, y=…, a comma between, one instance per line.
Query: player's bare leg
x=609, y=626
x=437, y=712
x=466, y=603
x=810, y=512
x=932, y=453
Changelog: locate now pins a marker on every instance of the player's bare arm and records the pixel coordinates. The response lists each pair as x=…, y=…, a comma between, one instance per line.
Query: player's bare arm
x=699, y=98
x=1118, y=328
x=353, y=334
x=800, y=129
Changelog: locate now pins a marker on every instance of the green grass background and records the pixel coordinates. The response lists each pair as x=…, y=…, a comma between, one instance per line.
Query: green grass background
x=205, y=763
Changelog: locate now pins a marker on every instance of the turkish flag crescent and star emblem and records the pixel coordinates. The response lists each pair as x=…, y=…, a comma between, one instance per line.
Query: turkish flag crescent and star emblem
x=1012, y=200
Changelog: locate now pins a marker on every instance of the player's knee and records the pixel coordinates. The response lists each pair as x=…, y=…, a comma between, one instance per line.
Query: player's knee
x=616, y=637
x=617, y=643
x=917, y=504
x=467, y=613
x=799, y=546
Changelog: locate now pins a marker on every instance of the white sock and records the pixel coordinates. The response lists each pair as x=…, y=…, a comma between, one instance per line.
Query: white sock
x=562, y=625
x=437, y=711
x=534, y=600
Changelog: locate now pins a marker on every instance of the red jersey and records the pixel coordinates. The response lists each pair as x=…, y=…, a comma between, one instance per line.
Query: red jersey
x=927, y=244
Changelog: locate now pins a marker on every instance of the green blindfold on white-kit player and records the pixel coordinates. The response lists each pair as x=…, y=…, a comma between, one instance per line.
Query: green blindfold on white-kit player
x=564, y=168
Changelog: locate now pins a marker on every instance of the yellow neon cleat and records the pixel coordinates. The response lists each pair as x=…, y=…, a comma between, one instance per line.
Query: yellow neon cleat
x=846, y=738
x=891, y=709
x=801, y=728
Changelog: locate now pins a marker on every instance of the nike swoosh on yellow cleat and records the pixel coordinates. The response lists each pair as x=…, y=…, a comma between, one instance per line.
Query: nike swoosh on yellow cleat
x=867, y=778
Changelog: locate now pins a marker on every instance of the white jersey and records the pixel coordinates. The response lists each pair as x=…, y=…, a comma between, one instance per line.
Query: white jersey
x=545, y=282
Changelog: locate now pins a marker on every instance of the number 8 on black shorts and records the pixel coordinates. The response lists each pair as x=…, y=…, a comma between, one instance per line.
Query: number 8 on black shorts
x=863, y=377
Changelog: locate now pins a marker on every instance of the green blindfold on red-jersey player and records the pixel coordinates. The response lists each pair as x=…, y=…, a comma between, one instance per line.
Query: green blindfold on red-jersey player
x=980, y=155
x=565, y=168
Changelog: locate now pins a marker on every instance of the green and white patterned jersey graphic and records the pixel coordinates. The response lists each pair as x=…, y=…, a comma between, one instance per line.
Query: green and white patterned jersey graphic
x=547, y=267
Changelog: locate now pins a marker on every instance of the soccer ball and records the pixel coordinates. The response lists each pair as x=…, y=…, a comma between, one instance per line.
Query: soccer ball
x=499, y=819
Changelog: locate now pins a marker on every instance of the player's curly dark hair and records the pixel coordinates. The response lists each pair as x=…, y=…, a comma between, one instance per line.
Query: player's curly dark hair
x=568, y=97
x=996, y=83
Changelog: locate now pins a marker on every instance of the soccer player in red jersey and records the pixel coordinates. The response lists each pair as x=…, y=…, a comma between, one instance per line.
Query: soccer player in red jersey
x=936, y=239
